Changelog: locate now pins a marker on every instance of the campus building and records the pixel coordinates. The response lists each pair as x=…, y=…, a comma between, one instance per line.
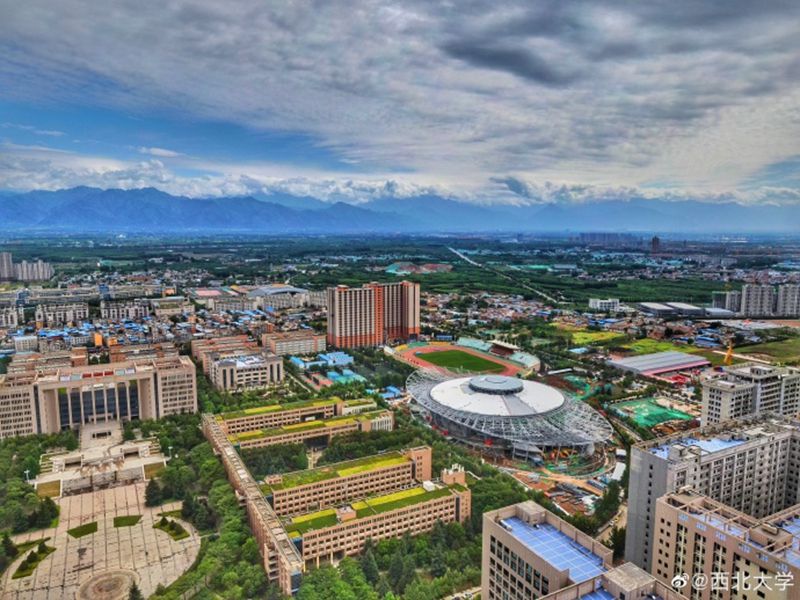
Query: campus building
x=204, y=351
x=316, y=431
x=373, y=314
x=529, y=553
x=125, y=352
x=35, y=362
x=248, y=371
x=298, y=343
x=751, y=389
x=331, y=534
x=49, y=401
x=331, y=485
x=61, y=313
x=751, y=465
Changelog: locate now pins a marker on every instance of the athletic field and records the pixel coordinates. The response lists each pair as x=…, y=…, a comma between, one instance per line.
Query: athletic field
x=458, y=360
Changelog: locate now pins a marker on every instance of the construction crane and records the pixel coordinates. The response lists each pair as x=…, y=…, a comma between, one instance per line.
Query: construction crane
x=729, y=354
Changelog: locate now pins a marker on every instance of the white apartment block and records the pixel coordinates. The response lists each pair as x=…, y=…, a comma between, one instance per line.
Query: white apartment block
x=54, y=315
x=757, y=301
x=751, y=465
x=604, y=305
x=751, y=389
x=124, y=310
x=33, y=271
x=788, y=302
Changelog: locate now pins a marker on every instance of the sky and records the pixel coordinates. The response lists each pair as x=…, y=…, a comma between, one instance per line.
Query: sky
x=480, y=100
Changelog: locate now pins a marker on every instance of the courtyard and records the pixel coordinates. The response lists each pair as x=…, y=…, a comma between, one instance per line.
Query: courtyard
x=101, y=564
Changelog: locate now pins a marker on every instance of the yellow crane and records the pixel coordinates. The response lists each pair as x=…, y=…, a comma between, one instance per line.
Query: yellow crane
x=729, y=354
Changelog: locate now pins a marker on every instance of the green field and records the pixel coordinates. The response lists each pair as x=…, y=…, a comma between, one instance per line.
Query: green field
x=785, y=351
x=583, y=338
x=127, y=520
x=458, y=360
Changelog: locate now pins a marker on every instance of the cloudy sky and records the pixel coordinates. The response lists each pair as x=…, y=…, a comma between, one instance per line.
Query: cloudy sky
x=489, y=100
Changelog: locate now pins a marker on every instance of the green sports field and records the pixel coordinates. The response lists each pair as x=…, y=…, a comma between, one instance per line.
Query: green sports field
x=458, y=360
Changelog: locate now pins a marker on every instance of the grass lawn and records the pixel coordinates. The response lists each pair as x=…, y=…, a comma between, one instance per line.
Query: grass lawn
x=32, y=561
x=458, y=360
x=51, y=489
x=82, y=530
x=583, y=338
x=785, y=351
x=127, y=520
x=173, y=528
x=153, y=470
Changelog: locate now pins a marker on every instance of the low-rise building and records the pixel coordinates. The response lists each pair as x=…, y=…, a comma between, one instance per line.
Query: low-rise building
x=172, y=306
x=9, y=317
x=331, y=534
x=604, y=305
x=204, y=349
x=252, y=370
x=330, y=485
x=300, y=342
x=124, y=310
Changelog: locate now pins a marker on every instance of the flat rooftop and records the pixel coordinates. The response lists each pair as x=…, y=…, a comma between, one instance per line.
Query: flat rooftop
x=707, y=446
x=319, y=424
x=368, y=507
x=660, y=362
x=556, y=548
x=341, y=469
x=269, y=408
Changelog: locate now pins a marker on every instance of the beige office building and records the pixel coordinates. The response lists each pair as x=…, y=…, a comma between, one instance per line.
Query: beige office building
x=248, y=371
x=66, y=398
x=300, y=342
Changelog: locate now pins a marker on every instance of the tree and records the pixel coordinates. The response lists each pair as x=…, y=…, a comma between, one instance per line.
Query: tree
x=9, y=547
x=618, y=541
x=370, y=567
x=135, y=593
x=152, y=494
x=396, y=572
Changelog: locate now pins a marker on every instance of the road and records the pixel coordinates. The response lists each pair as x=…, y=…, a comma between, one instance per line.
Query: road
x=470, y=593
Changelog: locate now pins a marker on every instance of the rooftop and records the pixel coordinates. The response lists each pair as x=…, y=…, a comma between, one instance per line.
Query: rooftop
x=497, y=395
x=304, y=426
x=341, y=469
x=556, y=548
x=660, y=362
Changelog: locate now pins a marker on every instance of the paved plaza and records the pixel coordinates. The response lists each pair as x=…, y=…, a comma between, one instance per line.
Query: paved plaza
x=152, y=555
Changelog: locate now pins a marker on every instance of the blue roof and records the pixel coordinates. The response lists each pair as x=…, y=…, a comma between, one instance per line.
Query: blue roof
x=598, y=594
x=557, y=548
x=707, y=446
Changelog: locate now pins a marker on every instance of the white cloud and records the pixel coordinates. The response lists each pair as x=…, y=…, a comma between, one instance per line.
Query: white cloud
x=160, y=152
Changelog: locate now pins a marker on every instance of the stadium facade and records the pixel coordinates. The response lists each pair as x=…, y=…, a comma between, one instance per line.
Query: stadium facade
x=512, y=416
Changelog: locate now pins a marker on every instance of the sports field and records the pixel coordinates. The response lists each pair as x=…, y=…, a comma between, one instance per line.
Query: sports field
x=458, y=360
x=648, y=413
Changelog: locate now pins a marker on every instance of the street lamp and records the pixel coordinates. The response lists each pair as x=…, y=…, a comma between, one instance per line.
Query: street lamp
x=27, y=475
x=170, y=451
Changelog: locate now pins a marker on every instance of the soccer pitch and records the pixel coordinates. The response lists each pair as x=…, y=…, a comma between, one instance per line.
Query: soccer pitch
x=458, y=360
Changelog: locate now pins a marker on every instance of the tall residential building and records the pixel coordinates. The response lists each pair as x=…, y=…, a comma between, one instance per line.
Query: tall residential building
x=52, y=400
x=757, y=300
x=373, y=314
x=752, y=465
x=751, y=389
x=531, y=554
x=788, y=301
x=6, y=266
x=33, y=271
x=736, y=555
x=731, y=300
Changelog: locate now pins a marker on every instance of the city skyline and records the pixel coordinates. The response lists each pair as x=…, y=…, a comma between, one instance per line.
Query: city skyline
x=513, y=103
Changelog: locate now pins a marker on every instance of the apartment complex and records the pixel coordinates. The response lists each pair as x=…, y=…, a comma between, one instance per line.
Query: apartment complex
x=761, y=300
x=312, y=490
x=333, y=533
x=124, y=310
x=529, y=553
x=316, y=431
x=300, y=342
x=249, y=371
x=373, y=314
x=61, y=313
x=751, y=389
x=752, y=465
x=699, y=537
x=59, y=398
x=25, y=270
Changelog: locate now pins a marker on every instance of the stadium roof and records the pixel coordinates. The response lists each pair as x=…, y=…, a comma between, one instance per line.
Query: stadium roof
x=497, y=395
x=660, y=362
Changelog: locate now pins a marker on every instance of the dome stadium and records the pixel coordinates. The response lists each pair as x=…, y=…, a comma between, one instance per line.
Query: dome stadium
x=514, y=416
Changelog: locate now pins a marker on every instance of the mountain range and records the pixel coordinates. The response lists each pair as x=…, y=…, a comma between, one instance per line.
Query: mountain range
x=93, y=210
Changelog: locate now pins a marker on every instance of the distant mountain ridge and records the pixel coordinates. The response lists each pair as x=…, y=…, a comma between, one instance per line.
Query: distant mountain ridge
x=93, y=210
